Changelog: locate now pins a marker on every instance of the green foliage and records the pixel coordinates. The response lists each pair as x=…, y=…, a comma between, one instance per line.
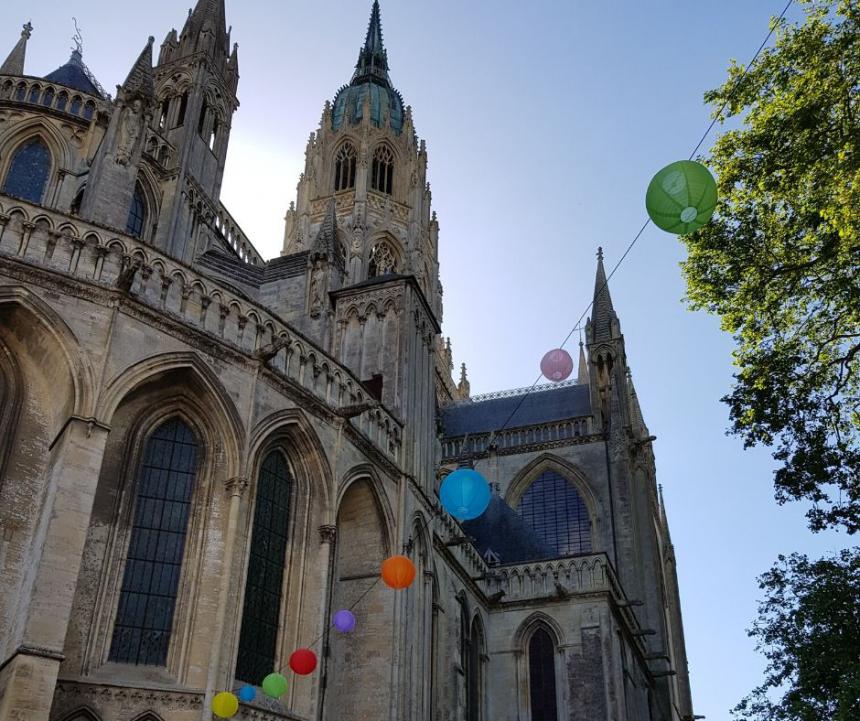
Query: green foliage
x=809, y=630
x=780, y=262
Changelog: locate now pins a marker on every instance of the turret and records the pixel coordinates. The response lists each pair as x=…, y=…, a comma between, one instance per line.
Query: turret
x=14, y=63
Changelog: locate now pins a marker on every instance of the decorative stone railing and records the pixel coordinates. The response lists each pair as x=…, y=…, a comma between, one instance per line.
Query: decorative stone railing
x=544, y=434
x=36, y=91
x=89, y=253
x=229, y=229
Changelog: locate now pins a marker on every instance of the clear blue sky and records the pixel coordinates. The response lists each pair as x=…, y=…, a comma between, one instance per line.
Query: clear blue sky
x=544, y=123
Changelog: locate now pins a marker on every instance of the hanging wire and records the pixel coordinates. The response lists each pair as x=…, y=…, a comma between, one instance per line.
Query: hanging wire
x=577, y=326
x=716, y=118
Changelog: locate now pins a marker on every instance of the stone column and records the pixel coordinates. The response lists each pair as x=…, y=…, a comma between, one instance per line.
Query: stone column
x=28, y=679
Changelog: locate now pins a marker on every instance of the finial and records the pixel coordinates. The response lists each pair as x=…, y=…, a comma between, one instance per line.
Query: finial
x=77, y=38
x=599, y=253
x=27, y=31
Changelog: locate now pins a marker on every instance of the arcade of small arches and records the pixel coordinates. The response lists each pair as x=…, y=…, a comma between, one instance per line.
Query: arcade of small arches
x=49, y=96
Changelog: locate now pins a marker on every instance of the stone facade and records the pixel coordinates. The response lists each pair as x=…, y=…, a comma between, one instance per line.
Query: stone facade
x=130, y=296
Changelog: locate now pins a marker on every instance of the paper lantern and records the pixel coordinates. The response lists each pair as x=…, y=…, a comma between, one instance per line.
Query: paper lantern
x=303, y=661
x=343, y=621
x=274, y=685
x=398, y=572
x=247, y=694
x=681, y=197
x=556, y=365
x=225, y=705
x=465, y=494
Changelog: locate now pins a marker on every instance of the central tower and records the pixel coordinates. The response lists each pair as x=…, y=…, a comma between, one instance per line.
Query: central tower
x=366, y=159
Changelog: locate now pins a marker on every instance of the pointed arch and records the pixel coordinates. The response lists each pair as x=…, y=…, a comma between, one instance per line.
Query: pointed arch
x=23, y=131
x=475, y=676
x=384, y=256
x=84, y=713
x=382, y=168
x=345, y=159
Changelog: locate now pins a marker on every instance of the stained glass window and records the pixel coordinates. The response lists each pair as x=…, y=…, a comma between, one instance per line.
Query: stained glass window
x=136, y=214
x=261, y=614
x=554, y=510
x=165, y=482
x=28, y=172
x=382, y=170
x=542, y=677
x=344, y=168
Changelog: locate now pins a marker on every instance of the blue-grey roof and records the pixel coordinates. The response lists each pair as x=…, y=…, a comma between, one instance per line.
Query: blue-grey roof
x=538, y=407
x=502, y=531
x=74, y=75
x=349, y=105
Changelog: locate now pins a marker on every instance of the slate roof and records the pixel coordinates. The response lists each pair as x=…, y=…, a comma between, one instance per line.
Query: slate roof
x=74, y=75
x=538, y=407
x=501, y=530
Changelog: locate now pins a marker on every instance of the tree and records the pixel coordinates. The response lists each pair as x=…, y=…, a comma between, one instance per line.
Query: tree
x=780, y=262
x=809, y=631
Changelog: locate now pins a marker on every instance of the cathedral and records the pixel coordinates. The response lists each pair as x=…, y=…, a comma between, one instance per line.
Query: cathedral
x=204, y=454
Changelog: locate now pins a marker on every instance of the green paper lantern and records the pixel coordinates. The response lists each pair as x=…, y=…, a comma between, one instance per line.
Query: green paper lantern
x=681, y=198
x=274, y=685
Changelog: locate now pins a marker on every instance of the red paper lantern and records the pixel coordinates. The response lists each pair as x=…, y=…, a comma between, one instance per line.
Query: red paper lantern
x=398, y=572
x=303, y=661
x=557, y=365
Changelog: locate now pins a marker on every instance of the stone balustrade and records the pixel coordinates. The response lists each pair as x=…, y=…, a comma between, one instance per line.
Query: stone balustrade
x=58, y=98
x=90, y=253
x=229, y=229
x=542, y=435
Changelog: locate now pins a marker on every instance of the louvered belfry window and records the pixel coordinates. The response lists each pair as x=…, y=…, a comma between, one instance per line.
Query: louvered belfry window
x=382, y=170
x=556, y=513
x=542, y=677
x=261, y=613
x=165, y=484
x=344, y=168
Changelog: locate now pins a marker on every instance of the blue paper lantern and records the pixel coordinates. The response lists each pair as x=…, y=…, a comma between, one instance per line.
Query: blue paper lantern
x=247, y=694
x=465, y=494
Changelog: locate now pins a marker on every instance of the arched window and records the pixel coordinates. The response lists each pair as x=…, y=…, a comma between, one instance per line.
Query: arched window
x=35, y=92
x=201, y=121
x=474, y=681
x=89, y=110
x=28, y=172
x=344, y=168
x=165, y=482
x=556, y=513
x=382, y=170
x=542, y=698
x=183, y=106
x=261, y=614
x=162, y=118
x=382, y=260
x=21, y=91
x=48, y=97
x=62, y=101
x=76, y=106
x=136, y=213
x=78, y=201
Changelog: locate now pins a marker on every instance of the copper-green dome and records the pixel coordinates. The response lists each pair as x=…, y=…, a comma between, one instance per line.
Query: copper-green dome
x=370, y=83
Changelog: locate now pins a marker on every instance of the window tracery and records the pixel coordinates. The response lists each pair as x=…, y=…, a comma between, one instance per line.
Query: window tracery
x=382, y=170
x=165, y=483
x=263, y=590
x=28, y=172
x=344, y=168
x=555, y=511
x=382, y=260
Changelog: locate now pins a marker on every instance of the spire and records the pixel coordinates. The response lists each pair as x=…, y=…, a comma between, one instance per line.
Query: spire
x=582, y=373
x=139, y=83
x=14, y=64
x=463, y=386
x=636, y=419
x=372, y=65
x=326, y=243
x=602, y=313
x=208, y=17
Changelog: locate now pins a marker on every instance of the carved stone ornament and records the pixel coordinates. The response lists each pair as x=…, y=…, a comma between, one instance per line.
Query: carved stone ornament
x=129, y=132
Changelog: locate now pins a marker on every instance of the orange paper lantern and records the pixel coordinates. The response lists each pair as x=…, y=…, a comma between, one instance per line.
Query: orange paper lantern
x=398, y=572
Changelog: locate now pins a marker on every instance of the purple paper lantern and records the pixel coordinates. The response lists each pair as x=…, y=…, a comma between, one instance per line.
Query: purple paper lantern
x=343, y=621
x=556, y=365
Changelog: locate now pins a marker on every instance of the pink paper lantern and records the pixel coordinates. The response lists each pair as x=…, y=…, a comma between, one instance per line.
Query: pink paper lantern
x=556, y=365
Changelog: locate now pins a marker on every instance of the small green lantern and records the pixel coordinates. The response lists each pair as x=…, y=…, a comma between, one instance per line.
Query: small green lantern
x=681, y=198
